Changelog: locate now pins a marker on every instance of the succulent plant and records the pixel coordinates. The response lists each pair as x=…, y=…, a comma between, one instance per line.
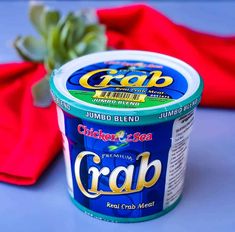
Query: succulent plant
x=61, y=39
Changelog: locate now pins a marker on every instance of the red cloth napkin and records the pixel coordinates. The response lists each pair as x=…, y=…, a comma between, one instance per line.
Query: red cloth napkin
x=141, y=27
x=30, y=138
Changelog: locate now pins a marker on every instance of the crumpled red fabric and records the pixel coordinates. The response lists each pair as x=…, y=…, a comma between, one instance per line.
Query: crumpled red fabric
x=143, y=28
x=30, y=138
x=29, y=135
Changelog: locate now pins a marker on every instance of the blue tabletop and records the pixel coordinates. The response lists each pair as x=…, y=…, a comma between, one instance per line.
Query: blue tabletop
x=208, y=202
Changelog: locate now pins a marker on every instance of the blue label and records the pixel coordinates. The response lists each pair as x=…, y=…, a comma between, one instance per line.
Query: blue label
x=118, y=171
x=127, y=84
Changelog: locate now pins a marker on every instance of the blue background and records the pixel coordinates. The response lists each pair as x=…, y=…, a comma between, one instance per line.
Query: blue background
x=208, y=203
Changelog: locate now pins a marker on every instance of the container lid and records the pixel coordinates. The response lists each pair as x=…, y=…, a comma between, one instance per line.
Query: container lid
x=126, y=87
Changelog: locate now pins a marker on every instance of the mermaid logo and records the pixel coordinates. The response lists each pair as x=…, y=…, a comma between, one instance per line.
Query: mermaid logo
x=121, y=139
x=115, y=189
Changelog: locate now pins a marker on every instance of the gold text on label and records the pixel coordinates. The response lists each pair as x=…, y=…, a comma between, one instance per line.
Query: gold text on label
x=115, y=189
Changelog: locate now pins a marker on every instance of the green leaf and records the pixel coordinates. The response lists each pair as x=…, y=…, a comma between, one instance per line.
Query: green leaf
x=75, y=31
x=72, y=30
x=41, y=93
x=51, y=19
x=43, y=18
x=79, y=28
x=95, y=43
x=55, y=51
x=69, y=38
x=36, y=15
x=62, y=39
x=88, y=37
x=80, y=48
x=49, y=63
x=30, y=48
x=64, y=31
x=65, y=19
x=72, y=54
x=95, y=28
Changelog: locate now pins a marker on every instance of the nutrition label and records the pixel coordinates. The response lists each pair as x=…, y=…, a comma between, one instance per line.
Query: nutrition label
x=177, y=159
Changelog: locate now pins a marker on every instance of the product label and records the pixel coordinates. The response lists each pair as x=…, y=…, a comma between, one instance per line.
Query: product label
x=127, y=84
x=177, y=158
x=125, y=172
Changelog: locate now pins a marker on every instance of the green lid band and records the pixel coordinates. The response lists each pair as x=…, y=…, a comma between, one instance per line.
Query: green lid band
x=131, y=118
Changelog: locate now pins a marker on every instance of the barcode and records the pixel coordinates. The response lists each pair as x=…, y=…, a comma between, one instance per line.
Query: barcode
x=120, y=96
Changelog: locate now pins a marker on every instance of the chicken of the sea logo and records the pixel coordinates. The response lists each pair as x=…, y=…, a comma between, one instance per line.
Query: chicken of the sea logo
x=118, y=139
x=121, y=138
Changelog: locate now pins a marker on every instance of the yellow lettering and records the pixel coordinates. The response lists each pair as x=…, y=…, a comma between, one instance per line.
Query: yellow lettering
x=77, y=166
x=156, y=77
x=125, y=81
x=126, y=187
x=95, y=177
x=128, y=179
x=85, y=78
x=144, y=167
x=138, y=83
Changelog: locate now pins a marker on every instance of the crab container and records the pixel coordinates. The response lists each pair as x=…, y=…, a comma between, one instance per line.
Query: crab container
x=126, y=118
